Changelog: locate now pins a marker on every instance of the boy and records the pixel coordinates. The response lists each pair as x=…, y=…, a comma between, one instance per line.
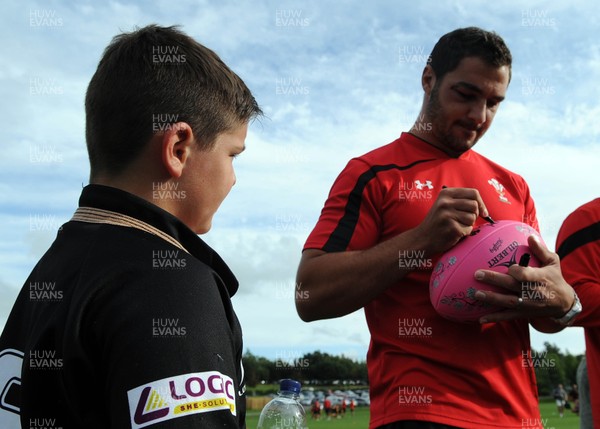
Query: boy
x=140, y=328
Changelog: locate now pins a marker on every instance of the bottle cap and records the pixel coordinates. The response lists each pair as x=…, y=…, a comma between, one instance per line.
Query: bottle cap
x=287, y=385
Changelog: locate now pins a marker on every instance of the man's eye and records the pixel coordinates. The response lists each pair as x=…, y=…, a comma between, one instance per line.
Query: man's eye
x=465, y=96
x=492, y=104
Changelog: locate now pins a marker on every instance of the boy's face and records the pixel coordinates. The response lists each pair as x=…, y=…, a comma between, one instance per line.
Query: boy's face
x=209, y=177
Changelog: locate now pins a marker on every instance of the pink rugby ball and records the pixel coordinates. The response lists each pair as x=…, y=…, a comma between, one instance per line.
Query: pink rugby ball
x=494, y=247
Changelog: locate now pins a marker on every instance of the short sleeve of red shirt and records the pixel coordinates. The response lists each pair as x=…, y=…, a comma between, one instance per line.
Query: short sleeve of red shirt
x=337, y=225
x=578, y=245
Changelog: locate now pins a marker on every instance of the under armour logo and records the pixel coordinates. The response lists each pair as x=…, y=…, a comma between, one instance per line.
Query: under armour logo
x=422, y=185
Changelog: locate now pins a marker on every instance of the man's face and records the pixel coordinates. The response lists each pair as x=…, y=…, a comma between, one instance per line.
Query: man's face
x=461, y=107
x=209, y=177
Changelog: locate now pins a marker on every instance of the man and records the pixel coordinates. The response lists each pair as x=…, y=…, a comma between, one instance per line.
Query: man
x=573, y=397
x=139, y=329
x=397, y=208
x=327, y=405
x=578, y=245
x=560, y=396
x=316, y=410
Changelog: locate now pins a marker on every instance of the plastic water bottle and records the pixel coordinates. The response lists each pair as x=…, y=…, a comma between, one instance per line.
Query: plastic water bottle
x=284, y=411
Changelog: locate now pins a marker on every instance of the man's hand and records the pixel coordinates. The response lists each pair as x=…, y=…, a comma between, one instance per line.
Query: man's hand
x=536, y=292
x=451, y=218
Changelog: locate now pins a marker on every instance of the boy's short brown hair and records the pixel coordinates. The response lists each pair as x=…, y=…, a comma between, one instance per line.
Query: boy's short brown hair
x=150, y=79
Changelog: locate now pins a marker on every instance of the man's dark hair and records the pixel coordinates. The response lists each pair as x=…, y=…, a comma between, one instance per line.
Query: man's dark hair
x=468, y=42
x=153, y=77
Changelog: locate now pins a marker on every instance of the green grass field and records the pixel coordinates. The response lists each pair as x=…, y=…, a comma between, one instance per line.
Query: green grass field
x=359, y=421
x=550, y=419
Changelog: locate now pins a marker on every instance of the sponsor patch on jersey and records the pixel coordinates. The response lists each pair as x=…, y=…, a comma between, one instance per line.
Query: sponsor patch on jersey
x=179, y=396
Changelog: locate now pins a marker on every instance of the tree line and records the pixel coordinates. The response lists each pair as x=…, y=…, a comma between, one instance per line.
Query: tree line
x=310, y=368
x=551, y=365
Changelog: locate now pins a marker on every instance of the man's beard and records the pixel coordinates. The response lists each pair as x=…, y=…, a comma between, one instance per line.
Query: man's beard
x=439, y=122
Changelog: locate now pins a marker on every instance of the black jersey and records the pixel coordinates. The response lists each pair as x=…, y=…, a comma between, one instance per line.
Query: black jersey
x=117, y=327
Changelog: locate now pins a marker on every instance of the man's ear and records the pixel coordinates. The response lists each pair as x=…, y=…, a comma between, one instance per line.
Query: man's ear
x=428, y=79
x=176, y=145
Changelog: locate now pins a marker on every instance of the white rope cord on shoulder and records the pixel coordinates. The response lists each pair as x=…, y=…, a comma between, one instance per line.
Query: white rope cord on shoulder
x=94, y=215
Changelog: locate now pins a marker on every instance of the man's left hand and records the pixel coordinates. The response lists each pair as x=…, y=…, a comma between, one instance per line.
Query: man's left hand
x=534, y=292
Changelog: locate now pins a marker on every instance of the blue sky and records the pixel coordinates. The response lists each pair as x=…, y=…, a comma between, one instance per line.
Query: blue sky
x=335, y=81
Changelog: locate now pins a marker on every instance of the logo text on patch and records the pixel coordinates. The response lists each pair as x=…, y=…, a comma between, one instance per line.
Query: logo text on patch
x=180, y=396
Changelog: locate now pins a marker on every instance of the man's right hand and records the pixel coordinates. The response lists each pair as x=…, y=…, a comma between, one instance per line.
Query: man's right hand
x=451, y=218
x=337, y=283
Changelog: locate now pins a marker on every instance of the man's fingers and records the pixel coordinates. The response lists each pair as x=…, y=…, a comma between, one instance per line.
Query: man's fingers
x=466, y=219
x=511, y=305
x=499, y=299
x=545, y=256
x=483, y=211
x=498, y=279
x=522, y=274
x=514, y=306
x=531, y=292
x=501, y=316
x=470, y=195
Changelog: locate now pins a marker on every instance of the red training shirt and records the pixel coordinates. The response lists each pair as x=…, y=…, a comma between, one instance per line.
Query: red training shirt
x=421, y=366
